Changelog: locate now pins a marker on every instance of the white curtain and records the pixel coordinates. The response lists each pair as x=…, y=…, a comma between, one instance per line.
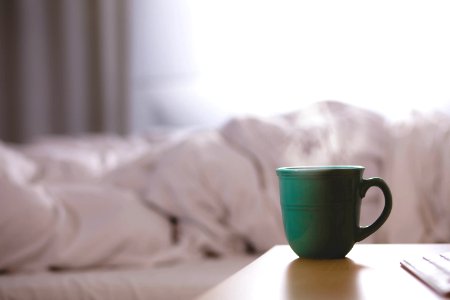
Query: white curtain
x=64, y=67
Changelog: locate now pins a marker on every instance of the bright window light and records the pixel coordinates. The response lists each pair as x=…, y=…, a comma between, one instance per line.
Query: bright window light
x=268, y=57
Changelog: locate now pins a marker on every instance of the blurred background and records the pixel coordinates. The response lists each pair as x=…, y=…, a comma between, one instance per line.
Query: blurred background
x=116, y=66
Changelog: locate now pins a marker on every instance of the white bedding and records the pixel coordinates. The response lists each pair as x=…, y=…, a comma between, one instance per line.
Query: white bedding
x=101, y=201
x=185, y=280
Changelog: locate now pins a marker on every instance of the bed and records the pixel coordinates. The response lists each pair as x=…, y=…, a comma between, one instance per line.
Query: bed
x=166, y=215
x=185, y=280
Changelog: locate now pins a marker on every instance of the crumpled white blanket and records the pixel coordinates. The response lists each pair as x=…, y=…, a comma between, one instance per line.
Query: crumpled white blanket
x=222, y=184
x=418, y=172
x=57, y=211
x=138, y=201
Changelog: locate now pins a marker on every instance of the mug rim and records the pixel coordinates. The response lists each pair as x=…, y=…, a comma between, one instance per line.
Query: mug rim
x=298, y=170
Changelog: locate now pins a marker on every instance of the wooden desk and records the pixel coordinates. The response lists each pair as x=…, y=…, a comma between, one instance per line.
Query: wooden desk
x=370, y=271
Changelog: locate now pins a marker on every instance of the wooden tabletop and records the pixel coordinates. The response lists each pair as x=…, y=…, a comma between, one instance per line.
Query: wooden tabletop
x=370, y=271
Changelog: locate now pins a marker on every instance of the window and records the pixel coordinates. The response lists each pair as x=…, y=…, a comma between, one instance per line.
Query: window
x=269, y=56
x=272, y=56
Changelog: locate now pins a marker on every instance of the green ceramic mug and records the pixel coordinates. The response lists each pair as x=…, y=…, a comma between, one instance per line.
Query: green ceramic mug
x=321, y=208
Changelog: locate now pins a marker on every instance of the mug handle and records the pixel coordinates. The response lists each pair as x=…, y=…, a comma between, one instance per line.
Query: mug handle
x=363, y=232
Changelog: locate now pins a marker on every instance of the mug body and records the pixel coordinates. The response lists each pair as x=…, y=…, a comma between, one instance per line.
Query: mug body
x=321, y=208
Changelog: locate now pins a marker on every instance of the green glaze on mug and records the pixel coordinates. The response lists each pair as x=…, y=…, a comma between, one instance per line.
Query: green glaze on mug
x=321, y=208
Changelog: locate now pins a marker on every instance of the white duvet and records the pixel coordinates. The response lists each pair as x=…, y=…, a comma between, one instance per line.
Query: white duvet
x=101, y=201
